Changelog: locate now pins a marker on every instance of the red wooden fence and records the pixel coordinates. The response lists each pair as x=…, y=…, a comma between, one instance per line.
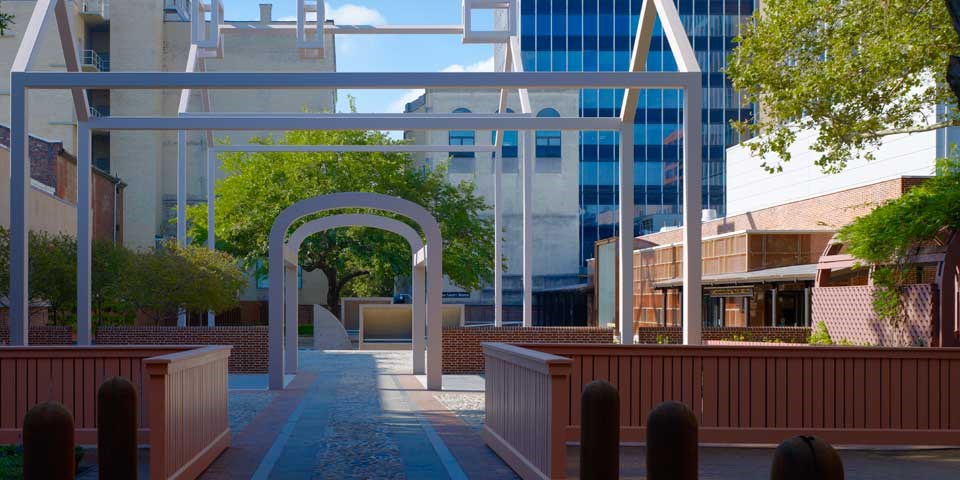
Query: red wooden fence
x=756, y=395
x=72, y=375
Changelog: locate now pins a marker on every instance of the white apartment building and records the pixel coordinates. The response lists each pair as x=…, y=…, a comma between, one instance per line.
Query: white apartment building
x=154, y=35
x=556, y=209
x=750, y=187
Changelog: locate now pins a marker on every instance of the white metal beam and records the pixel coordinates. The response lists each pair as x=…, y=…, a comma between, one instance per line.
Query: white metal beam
x=526, y=175
x=256, y=148
x=357, y=80
x=638, y=59
x=353, y=122
x=28, y=50
x=626, y=221
x=84, y=235
x=676, y=36
x=71, y=59
x=211, y=214
x=19, y=214
x=692, y=217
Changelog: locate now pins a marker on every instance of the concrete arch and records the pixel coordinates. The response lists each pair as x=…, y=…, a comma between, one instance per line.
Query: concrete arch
x=373, y=201
x=362, y=220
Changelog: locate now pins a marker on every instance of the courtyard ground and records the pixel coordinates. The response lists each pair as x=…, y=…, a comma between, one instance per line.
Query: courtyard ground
x=360, y=414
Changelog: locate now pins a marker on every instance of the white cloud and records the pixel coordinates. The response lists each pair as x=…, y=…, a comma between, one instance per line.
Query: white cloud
x=347, y=14
x=398, y=105
x=481, y=66
x=351, y=14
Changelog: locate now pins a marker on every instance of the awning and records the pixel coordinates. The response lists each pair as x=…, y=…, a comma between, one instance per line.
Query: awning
x=793, y=273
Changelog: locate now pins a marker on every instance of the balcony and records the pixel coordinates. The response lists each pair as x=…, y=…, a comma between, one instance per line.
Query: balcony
x=97, y=111
x=178, y=10
x=91, y=61
x=96, y=10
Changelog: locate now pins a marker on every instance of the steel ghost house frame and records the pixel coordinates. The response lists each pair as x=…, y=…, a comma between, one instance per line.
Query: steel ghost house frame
x=511, y=78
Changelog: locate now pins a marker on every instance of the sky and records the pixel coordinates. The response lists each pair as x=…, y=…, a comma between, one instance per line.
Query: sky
x=385, y=53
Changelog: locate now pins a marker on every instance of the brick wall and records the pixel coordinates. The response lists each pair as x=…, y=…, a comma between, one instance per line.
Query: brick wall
x=849, y=316
x=249, y=343
x=462, y=353
x=42, y=335
x=750, y=334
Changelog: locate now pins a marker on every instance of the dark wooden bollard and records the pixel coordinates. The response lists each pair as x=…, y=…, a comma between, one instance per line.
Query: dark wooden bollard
x=117, y=429
x=806, y=457
x=600, y=432
x=672, y=443
x=48, y=443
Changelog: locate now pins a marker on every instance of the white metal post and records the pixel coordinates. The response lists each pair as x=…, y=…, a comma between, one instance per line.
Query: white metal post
x=692, y=228
x=527, y=154
x=182, y=202
x=84, y=234
x=498, y=239
x=211, y=209
x=292, y=302
x=626, y=235
x=419, y=306
x=19, y=218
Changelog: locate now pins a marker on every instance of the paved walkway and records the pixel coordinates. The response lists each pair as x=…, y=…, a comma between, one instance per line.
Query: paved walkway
x=352, y=414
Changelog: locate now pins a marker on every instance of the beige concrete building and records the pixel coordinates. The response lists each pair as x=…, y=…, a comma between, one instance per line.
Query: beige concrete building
x=154, y=35
x=556, y=220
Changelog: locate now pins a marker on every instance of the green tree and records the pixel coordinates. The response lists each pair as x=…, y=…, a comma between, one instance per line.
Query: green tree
x=160, y=282
x=107, y=287
x=53, y=274
x=848, y=71
x=884, y=238
x=357, y=261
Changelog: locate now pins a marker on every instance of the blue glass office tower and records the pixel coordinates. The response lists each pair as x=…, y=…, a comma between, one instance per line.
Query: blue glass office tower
x=597, y=35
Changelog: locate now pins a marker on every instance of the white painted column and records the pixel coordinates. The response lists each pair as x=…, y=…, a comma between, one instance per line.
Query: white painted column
x=692, y=227
x=419, y=307
x=182, y=202
x=526, y=172
x=291, y=313
x=498, y=238
x=625, y=254
x=19, y=218
x=211, y=209
x=435, y=315
x=84, y=235
x=275, y=312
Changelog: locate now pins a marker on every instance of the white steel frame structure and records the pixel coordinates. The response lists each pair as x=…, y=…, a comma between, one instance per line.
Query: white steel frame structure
x=687, y=78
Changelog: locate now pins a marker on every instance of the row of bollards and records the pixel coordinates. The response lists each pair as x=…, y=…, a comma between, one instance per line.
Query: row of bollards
x=673, y=445
x=48, y=436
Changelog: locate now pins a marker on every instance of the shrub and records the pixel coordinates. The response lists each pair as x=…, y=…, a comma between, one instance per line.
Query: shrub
x=820, y=335
x=305, y=330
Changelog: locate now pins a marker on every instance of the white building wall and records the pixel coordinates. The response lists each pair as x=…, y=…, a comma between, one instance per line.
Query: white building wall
x=556, y=211
x=750, y=187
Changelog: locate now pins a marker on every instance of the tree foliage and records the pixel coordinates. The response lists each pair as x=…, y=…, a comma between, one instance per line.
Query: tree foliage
x=356, y=261
x=156, y=282
x=850, y=72
x=884, y=238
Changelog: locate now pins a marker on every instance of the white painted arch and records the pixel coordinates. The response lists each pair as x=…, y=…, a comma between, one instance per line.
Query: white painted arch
x=373, y=201
x=419, y=265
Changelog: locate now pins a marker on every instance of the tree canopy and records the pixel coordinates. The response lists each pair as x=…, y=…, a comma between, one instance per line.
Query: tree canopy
x=884, y=237
x=356, y=261
x=850, y=71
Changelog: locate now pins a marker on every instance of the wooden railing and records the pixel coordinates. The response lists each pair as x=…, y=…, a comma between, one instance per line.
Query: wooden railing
x=192, y=378
x=527, y=409
x=188, y=412
x=754, y=395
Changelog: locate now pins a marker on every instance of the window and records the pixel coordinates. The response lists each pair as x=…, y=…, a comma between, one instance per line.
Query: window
x=509, y=147
x=462, y=162
x=548, y=146
x=548, y=141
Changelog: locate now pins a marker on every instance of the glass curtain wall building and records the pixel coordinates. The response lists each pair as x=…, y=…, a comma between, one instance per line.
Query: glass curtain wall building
x=597, y=35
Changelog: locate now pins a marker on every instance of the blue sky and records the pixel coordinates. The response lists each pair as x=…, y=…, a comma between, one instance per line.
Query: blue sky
x=386, y=53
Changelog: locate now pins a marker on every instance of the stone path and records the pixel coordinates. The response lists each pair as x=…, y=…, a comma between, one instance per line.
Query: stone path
x=351, y=414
